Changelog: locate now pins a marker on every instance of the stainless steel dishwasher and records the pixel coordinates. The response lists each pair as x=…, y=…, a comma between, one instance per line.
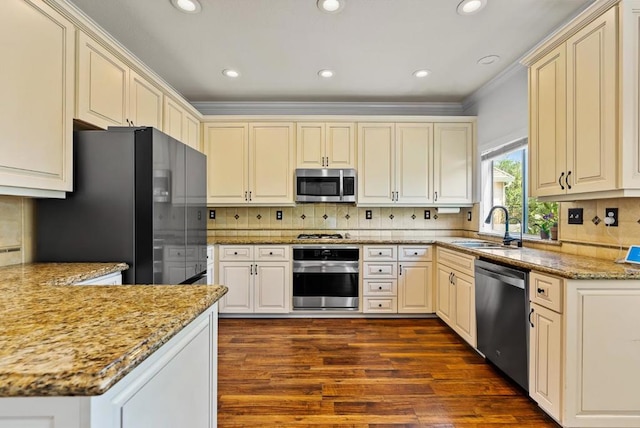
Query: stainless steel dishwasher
x=502, y=308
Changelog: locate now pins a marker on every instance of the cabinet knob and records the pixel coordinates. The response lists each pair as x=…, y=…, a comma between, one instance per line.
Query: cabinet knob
x=380, y=253
x=380, y=288
x=271, y=253
x=235, y=253
x=379, y=305
x=379, y=270
x=415, y=253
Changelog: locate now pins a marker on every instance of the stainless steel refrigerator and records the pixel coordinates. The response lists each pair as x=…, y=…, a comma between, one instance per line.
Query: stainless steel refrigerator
x=139, y=197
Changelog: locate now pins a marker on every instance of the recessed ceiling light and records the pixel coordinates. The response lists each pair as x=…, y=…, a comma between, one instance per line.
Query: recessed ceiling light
x=325, y=73
x=230, y=73
x=488, y=60
x=188, y=6
x=421, y=73
x=469, y=7
x=331, y=6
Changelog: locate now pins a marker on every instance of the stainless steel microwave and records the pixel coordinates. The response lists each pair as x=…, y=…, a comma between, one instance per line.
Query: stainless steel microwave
x=326, y=185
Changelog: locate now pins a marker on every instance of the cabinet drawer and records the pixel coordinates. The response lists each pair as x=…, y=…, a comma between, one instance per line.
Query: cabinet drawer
x=380, y=270
x=380, y=287
x=418, y=254
x=272, y=252
x=457, y=261
x=237, y=253
x=380, y=304
x=546, y=291
x=380, y=252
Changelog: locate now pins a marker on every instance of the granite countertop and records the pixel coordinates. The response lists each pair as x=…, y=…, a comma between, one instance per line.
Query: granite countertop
x=555, y=263
x=57, y=339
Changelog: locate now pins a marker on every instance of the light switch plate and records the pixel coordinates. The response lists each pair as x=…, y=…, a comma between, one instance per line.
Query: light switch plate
x=212, y=214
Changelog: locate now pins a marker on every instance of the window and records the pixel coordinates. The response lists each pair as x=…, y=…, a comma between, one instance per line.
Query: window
x=504, y=182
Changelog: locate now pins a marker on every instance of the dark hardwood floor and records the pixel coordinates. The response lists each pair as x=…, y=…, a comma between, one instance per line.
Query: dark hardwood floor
x=361, y=373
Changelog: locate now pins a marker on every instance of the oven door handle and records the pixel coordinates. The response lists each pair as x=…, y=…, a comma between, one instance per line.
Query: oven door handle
x=325, y=268
x=341, y=184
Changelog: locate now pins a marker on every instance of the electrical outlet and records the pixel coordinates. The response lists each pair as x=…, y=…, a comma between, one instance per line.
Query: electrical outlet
x=427, y=214
x=368, y=215
x=575, y=216
x=611, y=217
x=278, y=215
x=212, y=214
x=468, y=215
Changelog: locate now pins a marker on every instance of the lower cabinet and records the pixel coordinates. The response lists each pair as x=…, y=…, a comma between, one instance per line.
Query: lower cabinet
x=397, y=279
x=258, y=278
x=455, y=293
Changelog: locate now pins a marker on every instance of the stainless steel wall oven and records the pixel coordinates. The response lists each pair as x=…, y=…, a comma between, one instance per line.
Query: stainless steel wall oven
x=325, y=277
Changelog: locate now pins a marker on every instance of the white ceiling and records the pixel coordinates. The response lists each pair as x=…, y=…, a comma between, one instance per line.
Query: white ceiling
x=373, y=46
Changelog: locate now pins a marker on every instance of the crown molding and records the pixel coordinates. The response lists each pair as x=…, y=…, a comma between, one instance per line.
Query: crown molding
x=492, y=84
x=247, y=108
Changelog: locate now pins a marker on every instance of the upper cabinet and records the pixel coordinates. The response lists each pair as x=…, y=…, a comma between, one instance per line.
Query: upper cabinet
x=110, y=93
x=325, y=145
x=250, y=163
x=415, y=163
x=583, y=107
x=36, y=115
x=180, y=124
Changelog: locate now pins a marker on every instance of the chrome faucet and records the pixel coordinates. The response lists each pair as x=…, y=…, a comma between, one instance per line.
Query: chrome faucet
x=508, y=239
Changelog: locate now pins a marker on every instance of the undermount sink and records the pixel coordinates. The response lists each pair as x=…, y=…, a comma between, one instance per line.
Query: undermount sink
x=481, y=244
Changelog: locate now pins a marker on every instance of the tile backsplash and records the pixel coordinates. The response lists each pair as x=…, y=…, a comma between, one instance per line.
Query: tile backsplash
x=334, y=217
x=16, y=230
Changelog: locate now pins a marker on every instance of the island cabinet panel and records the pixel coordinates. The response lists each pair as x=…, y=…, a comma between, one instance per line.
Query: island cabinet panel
x=37, y=85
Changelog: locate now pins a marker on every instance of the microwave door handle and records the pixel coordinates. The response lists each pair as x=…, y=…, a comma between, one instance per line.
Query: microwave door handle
x=341, y=185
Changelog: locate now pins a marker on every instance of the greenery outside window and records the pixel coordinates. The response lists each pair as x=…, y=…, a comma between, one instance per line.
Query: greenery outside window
x=504, y=182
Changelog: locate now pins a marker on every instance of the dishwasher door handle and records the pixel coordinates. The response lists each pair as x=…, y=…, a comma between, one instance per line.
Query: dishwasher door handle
x=516, y=282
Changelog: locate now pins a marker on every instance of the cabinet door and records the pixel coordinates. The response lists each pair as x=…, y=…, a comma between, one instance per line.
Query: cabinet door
x=37, y=82
x=173, y=119
x=145, y=102
x=103, y=85
x=271, y=163
x=191, y=131
x=548, y=118
x=226, y=148
x=453, y=163
x=272, y=285
x=444, y=295
x=414, y=288
x=340, y=145
x=465, y=307
x=545, y=359
x=239, y=278
x=414, y=160
x=592, y=131
x=376, y=163
x=310, y=143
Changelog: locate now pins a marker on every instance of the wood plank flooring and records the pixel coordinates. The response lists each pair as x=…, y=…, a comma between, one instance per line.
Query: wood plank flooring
x=361, y=373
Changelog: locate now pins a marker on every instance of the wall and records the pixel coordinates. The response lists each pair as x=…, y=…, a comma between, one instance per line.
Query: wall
x=332, y=218
x=16, y=230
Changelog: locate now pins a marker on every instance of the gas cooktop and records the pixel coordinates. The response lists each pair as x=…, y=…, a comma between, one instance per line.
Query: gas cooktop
x=320, y=236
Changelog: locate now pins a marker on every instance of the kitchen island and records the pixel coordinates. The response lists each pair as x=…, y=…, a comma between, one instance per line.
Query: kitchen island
x=99, y=356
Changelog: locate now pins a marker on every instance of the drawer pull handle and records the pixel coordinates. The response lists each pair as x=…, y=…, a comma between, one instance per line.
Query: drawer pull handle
x=380, y=270
x=541, y=291
x=380, y=253
x=415, y=254
x=235, y=253
x=380, y=288
x=271, y=253
x=379, y=305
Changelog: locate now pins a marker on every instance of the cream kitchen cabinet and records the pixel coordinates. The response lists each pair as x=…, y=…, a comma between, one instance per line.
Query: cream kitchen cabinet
x=325, y=145
x=415, y=163
x=455, y=293
x=394, y=163
x=180, y=124
x=250, y=163
x=36, y=115
x=583, y=108
x=453, y=169
x=258, y=278
x=397, y=279
x=110, y=93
